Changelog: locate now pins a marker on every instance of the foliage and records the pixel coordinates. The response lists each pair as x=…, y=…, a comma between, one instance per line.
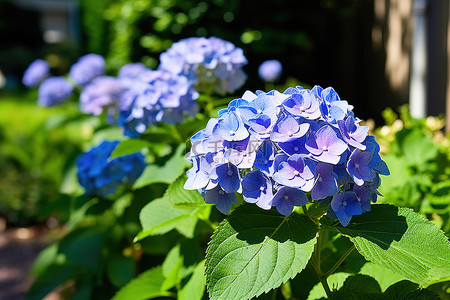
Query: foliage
x=418, y=155
x=154, y=238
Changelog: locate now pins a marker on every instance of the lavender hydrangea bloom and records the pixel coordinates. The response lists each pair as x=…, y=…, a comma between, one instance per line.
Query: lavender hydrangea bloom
x=270, y=70
x=54, y=91
x=37, y=71
x=156, y=96
x=285, y=150
x=101, y=94
x=325, y=145
x=211, y=64
x=101, y=176
x=87, y=68
x=132, y=70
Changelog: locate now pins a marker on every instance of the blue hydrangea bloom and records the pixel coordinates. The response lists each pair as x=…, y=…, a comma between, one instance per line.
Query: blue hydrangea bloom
x=37, y=71
x=101, y=94
x=287, y=149
x=211, y=64
x=87, y=68
x=155, y=96
x=101, y=176
x=54, y=91
x=270, y=70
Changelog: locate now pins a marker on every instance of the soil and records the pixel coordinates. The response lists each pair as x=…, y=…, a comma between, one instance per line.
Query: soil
x=18, y=249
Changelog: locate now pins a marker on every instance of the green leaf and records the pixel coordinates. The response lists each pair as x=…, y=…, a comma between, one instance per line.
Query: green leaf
x=146, y=286
x=167, y=173
x=405, y=290
x=181, y=198
x=171, y=267
x=254, y=251
x=385, y=277
x=49, y=279
x=178, y=209
x=88, y=254
x=402, y=241
x=335, y=281
x=195, y=287
x=418, y=148
x=129, y=146
x=44, y=259
x=120, y=269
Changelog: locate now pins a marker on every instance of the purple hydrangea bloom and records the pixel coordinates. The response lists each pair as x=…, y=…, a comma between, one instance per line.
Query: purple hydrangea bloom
x=87, y=68
x=325, y=145
x=37, y=71
x=54, y=91
x=287, y=149
x=345, y=205
x=101, y=94
x=326, y=182
x=211, y=64
x=132, y=70
x=286, y=198
x=270, y=70
x=101, y=176
x=155, y=96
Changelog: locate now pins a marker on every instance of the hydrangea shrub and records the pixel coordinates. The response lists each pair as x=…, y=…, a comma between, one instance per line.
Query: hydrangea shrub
x=286, y=149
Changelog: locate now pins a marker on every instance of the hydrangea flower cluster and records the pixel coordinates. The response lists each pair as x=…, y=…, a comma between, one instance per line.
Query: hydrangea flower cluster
x=87, y=68
x=101, y=94
x=270, y=70
x=155, y=96
x=286, y=149
x=211, y=64
x=37, y=71
x=54, y=91
x=101, y=176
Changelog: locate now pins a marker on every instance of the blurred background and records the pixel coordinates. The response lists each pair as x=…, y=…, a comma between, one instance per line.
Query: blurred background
x=374, y=52
x=379, y=55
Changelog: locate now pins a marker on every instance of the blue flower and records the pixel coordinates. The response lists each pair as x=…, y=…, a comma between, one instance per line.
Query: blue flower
x=288, y=129
x=325, y=145
x=303, y=145
x=101, y=94
x=228, y=177
x=87, y=68
x=231, y=127
x=155, y=96
x=257, y=188
x=54, y=91
x=358, y=166
x=211, y=64
x=220, y=198
x=286, y=198
x=352, y=133
x=37, y=71
x=302, y=103
x=270, y=70
x=132, y=71
x=326, y=182
x=296, y=171
x=102, y=177
x=345, y=205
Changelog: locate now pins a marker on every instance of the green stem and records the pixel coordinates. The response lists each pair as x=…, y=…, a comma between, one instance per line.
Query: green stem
x=339, y=262
x=316, y=265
